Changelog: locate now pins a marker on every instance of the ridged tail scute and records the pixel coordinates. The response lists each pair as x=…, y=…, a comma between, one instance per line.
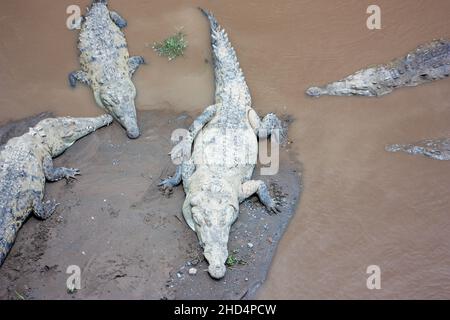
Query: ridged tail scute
x=226, y=64
x=212, y=20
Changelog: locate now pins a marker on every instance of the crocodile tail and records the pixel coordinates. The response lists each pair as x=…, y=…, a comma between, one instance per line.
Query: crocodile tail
x=212, y=20
x=226, y=64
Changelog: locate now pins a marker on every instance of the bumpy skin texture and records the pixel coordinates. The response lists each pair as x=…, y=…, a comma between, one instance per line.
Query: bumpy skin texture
x=438, y=149
x=427, y=63
x=25, y=165
x=106, y=65
x=217, y=176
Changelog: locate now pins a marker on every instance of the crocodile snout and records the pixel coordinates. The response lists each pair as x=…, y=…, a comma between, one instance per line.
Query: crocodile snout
x=216, y=255
x=133, y=133
x=106, y=119
x=314, y=92
x=217, y=271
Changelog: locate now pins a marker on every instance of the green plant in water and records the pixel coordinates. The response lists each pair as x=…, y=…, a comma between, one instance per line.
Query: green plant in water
x=172, y=47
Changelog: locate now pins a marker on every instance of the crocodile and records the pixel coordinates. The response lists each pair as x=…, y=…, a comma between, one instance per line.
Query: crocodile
x=217, y=157
x=25, y=165
x=106, y=65
x=428, y=62
x=438, y=149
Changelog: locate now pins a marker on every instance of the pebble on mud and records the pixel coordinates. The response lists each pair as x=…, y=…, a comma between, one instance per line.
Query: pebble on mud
x=192, y=271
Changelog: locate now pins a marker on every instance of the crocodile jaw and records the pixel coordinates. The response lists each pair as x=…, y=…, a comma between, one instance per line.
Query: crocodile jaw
x=60, y=133
x=212, y=219
x=216, y=255
x=118, y=100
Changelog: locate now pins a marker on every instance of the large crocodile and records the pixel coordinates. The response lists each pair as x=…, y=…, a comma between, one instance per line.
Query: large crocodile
x=427, y=63
x=106, y=65
x=26, y=163
x=217, y=176
x=438, y=149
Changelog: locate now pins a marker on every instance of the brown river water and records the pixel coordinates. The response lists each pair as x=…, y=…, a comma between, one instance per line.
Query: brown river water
x=360, y=206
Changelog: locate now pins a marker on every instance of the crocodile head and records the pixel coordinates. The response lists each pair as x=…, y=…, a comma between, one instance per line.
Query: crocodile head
x=118, y=99
x=370, y=82
x=213, y=215
x=58, y=134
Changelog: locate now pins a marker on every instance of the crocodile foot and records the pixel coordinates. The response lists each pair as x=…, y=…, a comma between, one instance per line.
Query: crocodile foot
x=70, y=173
x=44, y=210
x=168, y=184
x=273, y=207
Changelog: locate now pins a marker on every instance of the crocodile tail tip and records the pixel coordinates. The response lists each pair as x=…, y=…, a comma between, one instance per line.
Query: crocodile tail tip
x=100, y=1
x=204, y=11
x=211, y=18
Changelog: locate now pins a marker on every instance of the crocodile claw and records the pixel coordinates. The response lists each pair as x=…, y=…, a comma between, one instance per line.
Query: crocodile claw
x=71, y=173
x=273, y=208
x=50, y=206
x=166, y=184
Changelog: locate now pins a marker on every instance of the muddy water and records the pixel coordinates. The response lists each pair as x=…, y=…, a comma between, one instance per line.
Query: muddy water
x=361, y=205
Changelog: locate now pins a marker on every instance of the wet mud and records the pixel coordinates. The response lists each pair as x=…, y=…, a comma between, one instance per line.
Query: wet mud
x=127, y=236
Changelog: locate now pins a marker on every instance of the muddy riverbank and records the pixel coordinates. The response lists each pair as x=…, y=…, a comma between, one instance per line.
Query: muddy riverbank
x=129, y=238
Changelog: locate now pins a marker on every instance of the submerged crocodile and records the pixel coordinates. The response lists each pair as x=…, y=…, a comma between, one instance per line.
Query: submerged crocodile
x=427, y=63
x=217, y=176
x=26, y=163
x=106, y=65
x=438, y=149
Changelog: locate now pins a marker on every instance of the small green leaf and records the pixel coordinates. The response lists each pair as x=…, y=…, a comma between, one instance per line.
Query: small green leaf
x=172, y=47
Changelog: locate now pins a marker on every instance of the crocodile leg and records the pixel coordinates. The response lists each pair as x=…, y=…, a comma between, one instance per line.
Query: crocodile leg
x=55, y=174
x=80, y=76
x=187, y=170
x=118, y=20
x=183, y=149
x=43, y=210
x=268, y=126
x=171, y=182
x=183, y=172
x=260, y=188
x=134, y=63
